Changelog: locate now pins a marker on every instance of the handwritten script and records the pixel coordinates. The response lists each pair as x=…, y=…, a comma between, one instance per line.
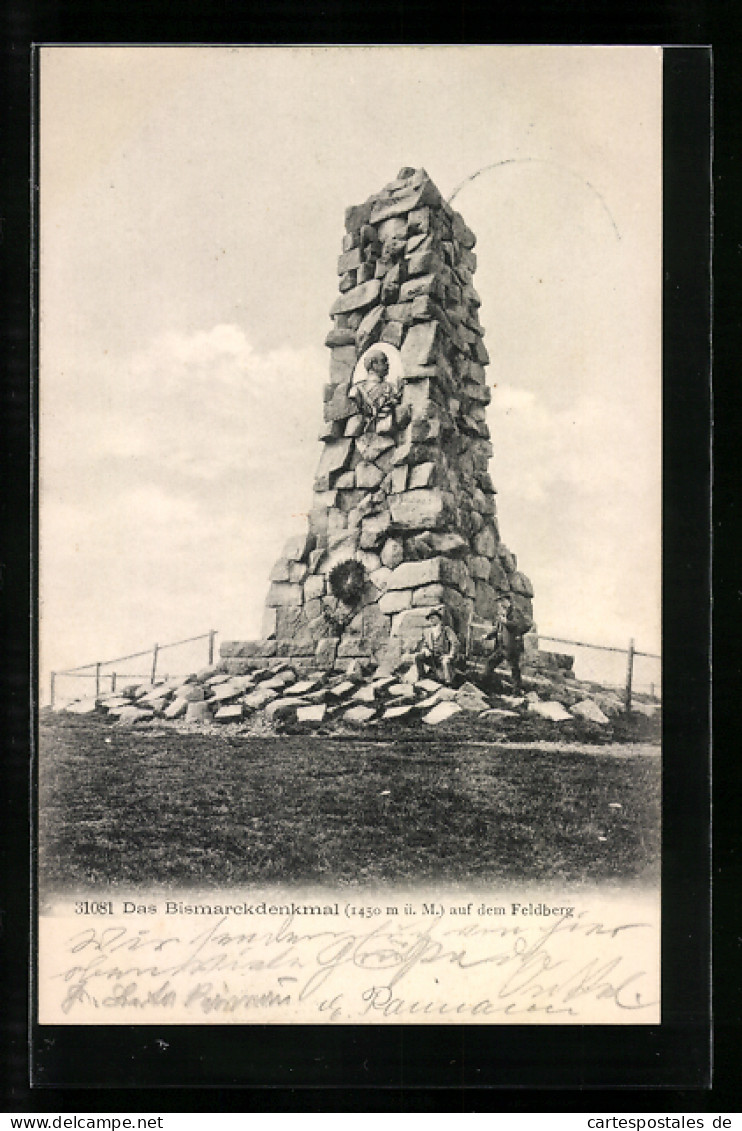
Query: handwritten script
x=571, y=968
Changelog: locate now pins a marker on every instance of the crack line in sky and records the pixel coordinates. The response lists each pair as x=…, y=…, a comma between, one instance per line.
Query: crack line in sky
x=538, y=161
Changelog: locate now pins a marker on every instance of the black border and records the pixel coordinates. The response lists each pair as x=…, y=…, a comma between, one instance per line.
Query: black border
x=397, y=1068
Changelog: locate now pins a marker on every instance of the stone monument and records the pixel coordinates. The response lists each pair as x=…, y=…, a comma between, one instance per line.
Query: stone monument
x=403, y=514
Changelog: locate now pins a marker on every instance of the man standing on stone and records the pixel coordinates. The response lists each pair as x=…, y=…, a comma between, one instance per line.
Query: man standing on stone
x=508, y=637
x=437, y=652
x=376, y=397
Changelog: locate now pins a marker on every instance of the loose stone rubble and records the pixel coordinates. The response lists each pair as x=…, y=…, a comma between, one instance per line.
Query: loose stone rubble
x=267, y=696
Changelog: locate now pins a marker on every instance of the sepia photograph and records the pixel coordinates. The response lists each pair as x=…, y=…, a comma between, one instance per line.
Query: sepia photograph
x=349, y=443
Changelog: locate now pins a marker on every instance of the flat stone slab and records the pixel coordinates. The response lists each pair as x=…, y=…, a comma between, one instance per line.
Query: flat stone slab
x=115, y=701
x=191, y=692
x=430, y=686
x=135, y=715
x=405, y=711
x=285, y=707
x=402, y=690
x=359, y=714
x=470, y=698
x=82, y=707
x=590, y=711
x=176, y=709
x=231, y=713
x=342, y=690
x=550, y=710
x=498, y=713
x=311, y=713
x=441, y=712
x=197, y=712
x=261, y=697
x=306, y=686
x=226, y=691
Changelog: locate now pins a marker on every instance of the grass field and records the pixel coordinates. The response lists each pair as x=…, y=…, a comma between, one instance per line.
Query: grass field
x=158, y=807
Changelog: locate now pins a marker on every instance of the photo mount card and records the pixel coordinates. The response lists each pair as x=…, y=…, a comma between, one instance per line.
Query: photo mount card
x=465, y=932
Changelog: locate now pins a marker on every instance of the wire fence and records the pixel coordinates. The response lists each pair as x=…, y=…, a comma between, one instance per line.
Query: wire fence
x=106, y=677
x=633, y=670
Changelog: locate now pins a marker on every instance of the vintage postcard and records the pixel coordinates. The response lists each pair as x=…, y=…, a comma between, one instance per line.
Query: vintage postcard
x=350, y=498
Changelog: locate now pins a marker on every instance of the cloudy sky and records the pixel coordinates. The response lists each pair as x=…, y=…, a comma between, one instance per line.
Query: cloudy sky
x=192, y=206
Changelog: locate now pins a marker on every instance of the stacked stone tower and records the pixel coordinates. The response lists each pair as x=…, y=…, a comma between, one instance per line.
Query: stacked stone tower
x=404, y=514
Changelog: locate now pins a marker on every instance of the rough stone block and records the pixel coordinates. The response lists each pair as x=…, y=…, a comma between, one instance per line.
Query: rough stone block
x=508, y=560
x=485, y=601
x=284, y=708
x=368, y=476
x=433, y=594
x=550, y=710
x=411, y=575
x=231, y=713
x=470, y=698
x=399, y=312
x=359, y=714
x=326, y=653
x=498, y=579
x=590, y=711
x=395, y=227
x=374, y=530
x=423, y=508
x=372, y=444
x=340, y=406
x=297, y=572
x=342, y=363
x=422, y=475
x=393, y=333
x=485, y=543
x=226, y=692
x=519, y=583
x=176, y=709
x=280, y=571
x=480, y=568
x=479, y=352
x=369, y=329
x=314, y=587
x=357, y=216
x=260, y=698
x=198, y=713
x=88, y=707
x=349, y=260
x=283, y=593
x=335, y=457
x=421, y=285
x=394, y=601
x=357, y=298
x=398, y=482
x=424, y=262
x=340, y=336
x=371, y=562
x=441, y=713
x=400, y=713
x=311, y=713
x=392, y=553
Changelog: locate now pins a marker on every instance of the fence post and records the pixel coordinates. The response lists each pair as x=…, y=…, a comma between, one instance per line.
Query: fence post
x=97, y=680
x=155, y=650
x=52, y=689
x=212, y=635
x=113, y=682
x=629, y=674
